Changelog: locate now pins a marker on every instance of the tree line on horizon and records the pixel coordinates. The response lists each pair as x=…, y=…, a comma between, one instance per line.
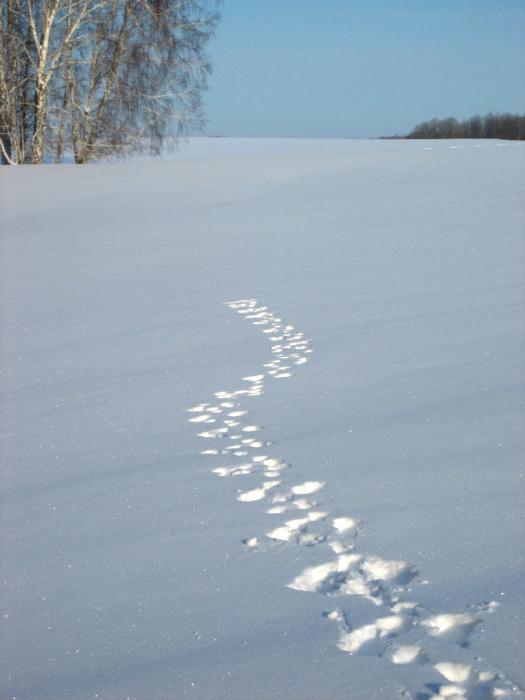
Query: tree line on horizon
x=96, y=78
x=492, y=126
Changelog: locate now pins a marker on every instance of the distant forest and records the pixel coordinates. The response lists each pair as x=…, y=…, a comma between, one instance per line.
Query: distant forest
x=491, y=126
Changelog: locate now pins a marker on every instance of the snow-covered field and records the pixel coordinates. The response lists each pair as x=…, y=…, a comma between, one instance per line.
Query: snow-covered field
x=314, y=491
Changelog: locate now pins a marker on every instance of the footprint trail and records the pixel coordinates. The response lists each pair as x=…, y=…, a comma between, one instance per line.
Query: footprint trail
x=398, y=630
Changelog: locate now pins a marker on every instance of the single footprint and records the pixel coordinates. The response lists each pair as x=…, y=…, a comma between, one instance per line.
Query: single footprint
x=259, y=493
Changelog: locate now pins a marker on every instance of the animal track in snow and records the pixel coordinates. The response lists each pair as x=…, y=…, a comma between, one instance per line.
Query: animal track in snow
x=239, y=470
x=258, y=493
x=465, y=683
x=307, y=487
x=454, y=628
x=371, y=638
x=348, y=526
x=296, y=529
x=398, y=630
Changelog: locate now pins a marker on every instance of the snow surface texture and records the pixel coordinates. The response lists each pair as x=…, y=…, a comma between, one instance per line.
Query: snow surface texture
x=399, y=628
x=361, y=536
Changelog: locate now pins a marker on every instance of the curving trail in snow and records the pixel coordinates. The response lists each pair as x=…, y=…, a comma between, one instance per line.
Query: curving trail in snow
x=399, y=630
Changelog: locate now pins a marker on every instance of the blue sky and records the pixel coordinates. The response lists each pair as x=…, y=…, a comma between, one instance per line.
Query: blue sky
x=358, y=68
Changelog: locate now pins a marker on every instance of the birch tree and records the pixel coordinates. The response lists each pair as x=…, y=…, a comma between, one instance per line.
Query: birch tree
x=100, y=77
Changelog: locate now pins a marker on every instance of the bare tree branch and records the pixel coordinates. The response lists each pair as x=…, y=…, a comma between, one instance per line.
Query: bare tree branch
x=100, y=76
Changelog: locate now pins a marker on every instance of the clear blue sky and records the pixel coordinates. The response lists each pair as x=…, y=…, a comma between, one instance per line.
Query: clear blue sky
x=358, y=68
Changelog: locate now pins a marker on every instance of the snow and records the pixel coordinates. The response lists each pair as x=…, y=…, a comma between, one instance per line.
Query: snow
x=367, y=540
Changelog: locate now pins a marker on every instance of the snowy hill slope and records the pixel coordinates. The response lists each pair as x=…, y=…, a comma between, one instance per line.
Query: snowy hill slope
x=368, y=542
